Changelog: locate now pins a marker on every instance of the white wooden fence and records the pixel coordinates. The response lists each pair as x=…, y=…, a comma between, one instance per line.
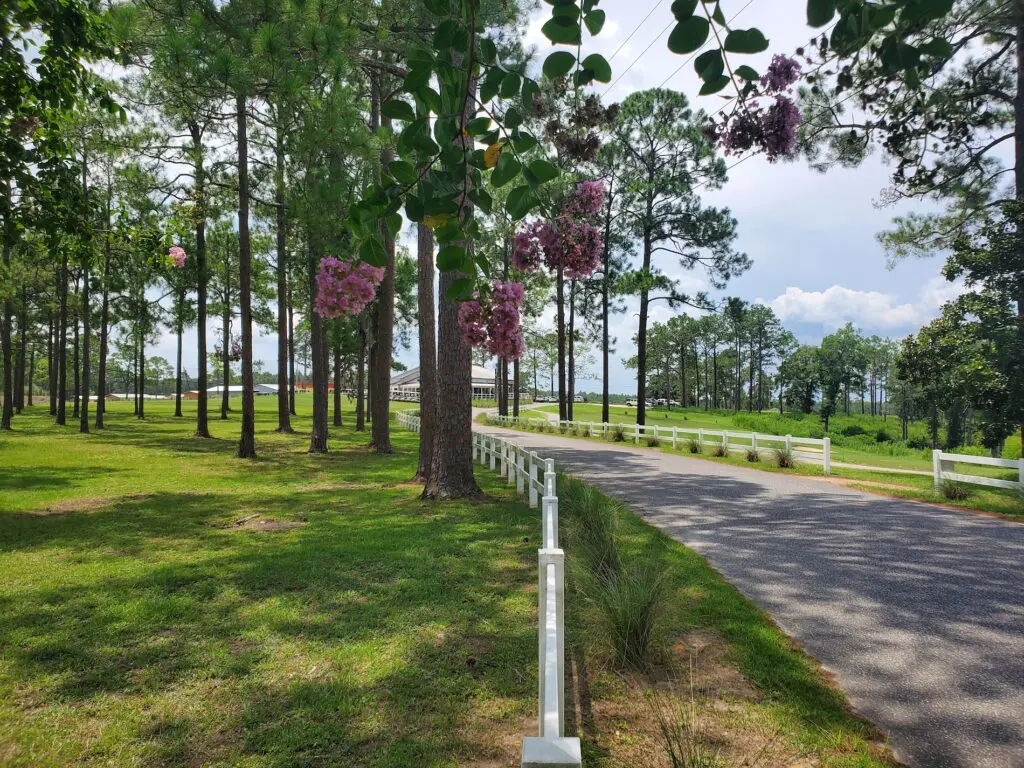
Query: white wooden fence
x=811, y=450
x=944, y=466
x=535, y=477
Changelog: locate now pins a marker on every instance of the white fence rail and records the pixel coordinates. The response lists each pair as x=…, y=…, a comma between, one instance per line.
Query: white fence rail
x=810, y=450
x=535, y=477
x=944, y=468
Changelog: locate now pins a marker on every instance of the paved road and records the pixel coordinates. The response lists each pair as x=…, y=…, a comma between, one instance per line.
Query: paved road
x=918, y=610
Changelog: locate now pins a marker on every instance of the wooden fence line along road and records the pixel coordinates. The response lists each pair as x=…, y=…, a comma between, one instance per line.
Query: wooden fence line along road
x=944, y=466
x=536, y=477
x=811, y=450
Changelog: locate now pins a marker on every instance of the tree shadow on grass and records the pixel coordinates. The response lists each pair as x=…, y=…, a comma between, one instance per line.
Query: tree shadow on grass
x=412, y=614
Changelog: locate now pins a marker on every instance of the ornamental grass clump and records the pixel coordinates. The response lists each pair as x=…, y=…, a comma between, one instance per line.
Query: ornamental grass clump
x=720, y=450
x=630, y=604
x=652, y=441
x=753, y=456
x=596, y=523
x=694, y=446
x=955, y=491
x=784, y=458
x=618, y=433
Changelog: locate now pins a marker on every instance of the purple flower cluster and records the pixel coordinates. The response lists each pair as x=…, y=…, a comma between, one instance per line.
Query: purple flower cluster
x=770, y=129
x=493, y=322
x=586, y=199
x=176, y=257
x=782, y=73
x=345, y=287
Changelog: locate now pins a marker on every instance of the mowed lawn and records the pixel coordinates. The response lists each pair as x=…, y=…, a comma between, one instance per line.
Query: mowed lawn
x=348, y=624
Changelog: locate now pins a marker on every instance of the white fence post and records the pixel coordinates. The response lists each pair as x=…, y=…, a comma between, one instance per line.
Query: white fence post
x=519, y=471
x=789, y=443
x=700, y=437
x=636, y=434
x=494, y=456
x=828, y=455
x=937, y=468
x=753, y=441
x=510, y=464
x=675, y=437
x=1020, y=472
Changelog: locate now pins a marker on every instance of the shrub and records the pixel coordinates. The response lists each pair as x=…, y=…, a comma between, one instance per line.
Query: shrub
x=585, y=431
x=630, y=604
x=883, y=436
x=563, y=428
x=852, y=430
x=652, y=441
x=719, y=450
x=596, y=519
x=920, y=443
x=618, y=433
x=753, y=456
x=784, y=458
x=955, y=491
x=574, y=431
x=694, y=445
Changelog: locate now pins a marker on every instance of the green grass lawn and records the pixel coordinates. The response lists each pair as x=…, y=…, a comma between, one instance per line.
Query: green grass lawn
x=148, y=619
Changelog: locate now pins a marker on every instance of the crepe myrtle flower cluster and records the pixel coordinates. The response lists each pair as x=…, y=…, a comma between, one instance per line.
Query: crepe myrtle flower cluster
x=176, y=257
x=569, y=242
x=345, y=287
x=770, y=128
x=492, y=320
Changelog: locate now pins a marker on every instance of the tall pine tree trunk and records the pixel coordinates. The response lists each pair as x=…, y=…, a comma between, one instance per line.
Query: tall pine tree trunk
x=202, y=278
x=22, y=355
x=337, y=384
x=62, y=341
x=101, y=383
x=180, y=332
x=225, y=319
x=515, y=387
x=291, y=354
x=284, y=422
x=7, y=412
x=31, y=372
x=451, y=474
x=51, y=362
x=247, y=440
x=571, y=341
x=83, y=423
x=427, y=331
x=318, y=344
x=76, y=385
x=563, y=409
x=384, y=333
x=361, y=377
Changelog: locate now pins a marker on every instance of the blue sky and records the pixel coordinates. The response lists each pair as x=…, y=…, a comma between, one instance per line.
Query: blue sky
x=811, y=236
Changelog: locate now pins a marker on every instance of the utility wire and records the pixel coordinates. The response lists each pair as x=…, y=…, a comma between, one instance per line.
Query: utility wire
x=633, y=63
x=636, y=29
x=694, y=54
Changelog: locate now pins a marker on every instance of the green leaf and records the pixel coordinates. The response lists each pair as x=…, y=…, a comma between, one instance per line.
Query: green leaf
x=559, y=63
x=689, y=35
x=438, y=7
x=747, y=73
x=718, y=15
x=397, y=110
x=461, y=289
x=488, y=51
x=543, y=170
x=478, y=126
x=714, y=86
x=820, y=12
x=745, y=41
x=709, y=65
x=599, y=65
x=372, y=252
x=450, y=257
x=482, y=199
x=595, y=21
x=562, y=31
x=448, y=233
x=519, y=202
x=507, y=168
x=445, y=33
x=684, y=9
x=402, y=171
x=936, y=47
x=394, y=224
x=413, y=208
x=416, y=79
x=530, y=88
x=513, y=118
x=491, y=83
x=510, y=85
x=523, y=141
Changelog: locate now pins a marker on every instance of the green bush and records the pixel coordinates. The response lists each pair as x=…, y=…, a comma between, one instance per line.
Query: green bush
x=852, y=430
x=883, y=436
x=753, y=456
x=652, y=441
x=595, y=524
x=719, y=450
x=618, y=433
x=693, y=444
x=563, y=428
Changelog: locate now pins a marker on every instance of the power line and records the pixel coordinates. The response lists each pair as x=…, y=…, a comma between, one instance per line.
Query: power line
x=636, y=29
x=633, y=63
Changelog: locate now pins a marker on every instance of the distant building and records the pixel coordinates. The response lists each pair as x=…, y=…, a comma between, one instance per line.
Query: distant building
x=406, y=385
x=233, y=389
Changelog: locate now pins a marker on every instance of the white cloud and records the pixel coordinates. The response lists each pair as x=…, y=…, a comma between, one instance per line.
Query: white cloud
x=836, y=306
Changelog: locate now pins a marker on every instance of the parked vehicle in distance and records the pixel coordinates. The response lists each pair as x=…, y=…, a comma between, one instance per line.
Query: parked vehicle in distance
x=631, y=403
x=579, y=399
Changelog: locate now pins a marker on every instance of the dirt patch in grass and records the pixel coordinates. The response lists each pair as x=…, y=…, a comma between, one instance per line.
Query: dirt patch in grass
x=259, y=523
x=85, y=504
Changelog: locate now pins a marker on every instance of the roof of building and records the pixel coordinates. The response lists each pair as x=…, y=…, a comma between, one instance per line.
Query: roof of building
x=411, y=377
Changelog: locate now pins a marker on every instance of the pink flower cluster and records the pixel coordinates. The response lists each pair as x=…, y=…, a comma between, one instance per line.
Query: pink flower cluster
x=569, y=242
x=782, y=73
x=493, y=321
x=586, y=199
x=345, y=287
x=176, y=257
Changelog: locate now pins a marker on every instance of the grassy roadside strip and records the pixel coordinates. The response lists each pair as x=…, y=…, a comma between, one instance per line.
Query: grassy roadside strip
x=1005, y=503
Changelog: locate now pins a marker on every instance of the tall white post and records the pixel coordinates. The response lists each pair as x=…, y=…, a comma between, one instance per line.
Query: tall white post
x=675, y=437
x=636, y=434
x=510, y=465
x=700, y=437
x=519, y=472
x=532, y=477
x=828, y=455
x=789, y=443
x=1020, y=473
x=753, y=440
x=494, y=454
x=937, y=468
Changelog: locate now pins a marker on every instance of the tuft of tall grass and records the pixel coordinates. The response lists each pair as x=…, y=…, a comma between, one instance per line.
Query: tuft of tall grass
x=630, y=603
x=955, y=491
x=652, y=441
x=679, y=730
x=753, y=456
x=719, y=450
x=693, y=444
x=618, y=433
x=596, y=523
x=784, y=458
